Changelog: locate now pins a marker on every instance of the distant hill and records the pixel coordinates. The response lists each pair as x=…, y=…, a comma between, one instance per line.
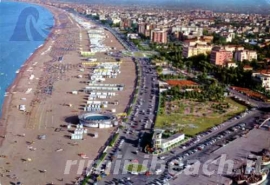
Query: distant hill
x=252, y=6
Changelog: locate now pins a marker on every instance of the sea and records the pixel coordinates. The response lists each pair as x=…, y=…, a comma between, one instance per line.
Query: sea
x=23, y=28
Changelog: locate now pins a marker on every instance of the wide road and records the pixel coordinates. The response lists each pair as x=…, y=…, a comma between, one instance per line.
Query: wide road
x=141, y=120
x=248, y=100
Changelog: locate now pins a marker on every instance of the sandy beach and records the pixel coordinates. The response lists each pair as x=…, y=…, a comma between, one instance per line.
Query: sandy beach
x=43, y=85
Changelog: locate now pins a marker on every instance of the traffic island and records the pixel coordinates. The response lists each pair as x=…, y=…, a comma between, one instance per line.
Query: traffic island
x=136, y=168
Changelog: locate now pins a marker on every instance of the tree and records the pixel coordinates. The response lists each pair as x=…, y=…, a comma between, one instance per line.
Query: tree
x=159, y=69
x=115, y=25
x=219, y=39
x=103, y=21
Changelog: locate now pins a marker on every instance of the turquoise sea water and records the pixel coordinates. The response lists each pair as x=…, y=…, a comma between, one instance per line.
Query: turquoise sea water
x=23, y=28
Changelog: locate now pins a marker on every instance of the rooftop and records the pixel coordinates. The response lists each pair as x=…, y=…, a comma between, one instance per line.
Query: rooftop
x=250, y=93
x=158, y=131
x=173, y=137
x=264, y=71
x=181, y=83
x=248, y=67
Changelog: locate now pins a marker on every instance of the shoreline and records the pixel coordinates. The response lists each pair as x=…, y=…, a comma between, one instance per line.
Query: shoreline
x=49, y=113
x=7, y=100
x=51, y=107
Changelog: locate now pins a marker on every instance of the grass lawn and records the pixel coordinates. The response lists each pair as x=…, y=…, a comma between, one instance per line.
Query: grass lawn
x=136, y=168
x=192, y=119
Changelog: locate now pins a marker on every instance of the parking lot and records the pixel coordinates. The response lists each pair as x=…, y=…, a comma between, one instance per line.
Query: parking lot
x=177, y=160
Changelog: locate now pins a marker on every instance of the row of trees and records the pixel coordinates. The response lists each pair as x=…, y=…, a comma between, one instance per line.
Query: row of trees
x=172, y=52
x=231, y=76
x=214, y=92
x=165, y=77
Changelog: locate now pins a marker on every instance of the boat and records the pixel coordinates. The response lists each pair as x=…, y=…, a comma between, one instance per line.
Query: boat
x=241, y=177
x=257, y=179
x=265, y=153
x=252, y=175
x=265, y=161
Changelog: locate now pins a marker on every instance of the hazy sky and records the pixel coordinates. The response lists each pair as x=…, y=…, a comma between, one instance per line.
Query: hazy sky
x=261, y=6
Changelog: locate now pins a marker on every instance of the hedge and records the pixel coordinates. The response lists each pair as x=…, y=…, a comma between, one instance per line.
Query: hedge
x=112, y=142
x=102, y=157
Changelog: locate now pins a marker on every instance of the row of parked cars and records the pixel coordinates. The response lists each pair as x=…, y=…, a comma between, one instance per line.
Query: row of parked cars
x=177, y=163
x=122, y=181
x=163, y=180
x=143, y=113
x=141, y=117
x=211, y=130
x=209, y=142
x=115, y=150
x=222, y=135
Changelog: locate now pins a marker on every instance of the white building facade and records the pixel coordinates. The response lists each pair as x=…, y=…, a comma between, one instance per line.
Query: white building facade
x=263, y=78
x=245, y=55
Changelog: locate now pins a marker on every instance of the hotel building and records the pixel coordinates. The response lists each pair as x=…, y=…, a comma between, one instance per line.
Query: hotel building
x=195, y=47
x=245, y=55
x=159, y=36
x=220, y=56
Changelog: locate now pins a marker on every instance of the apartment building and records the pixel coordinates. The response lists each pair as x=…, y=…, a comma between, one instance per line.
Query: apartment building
x=220, y=56
x=229, y=37
x=245, y=55
x=263, y=77
x=125, y=23
x=195, y=47
x=159, y=36
x=183, y=32
x=141, y=28
x=233, y=48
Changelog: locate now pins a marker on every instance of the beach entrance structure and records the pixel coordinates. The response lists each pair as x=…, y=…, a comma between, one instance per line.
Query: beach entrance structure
x=104, y=87
x=22, y=108
x=42, y=137
x=79, y=132
x=95, y=135
x=76, y=136
x=87, y=53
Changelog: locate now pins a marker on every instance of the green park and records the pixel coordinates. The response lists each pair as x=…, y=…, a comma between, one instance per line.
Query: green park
x=192, y=117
